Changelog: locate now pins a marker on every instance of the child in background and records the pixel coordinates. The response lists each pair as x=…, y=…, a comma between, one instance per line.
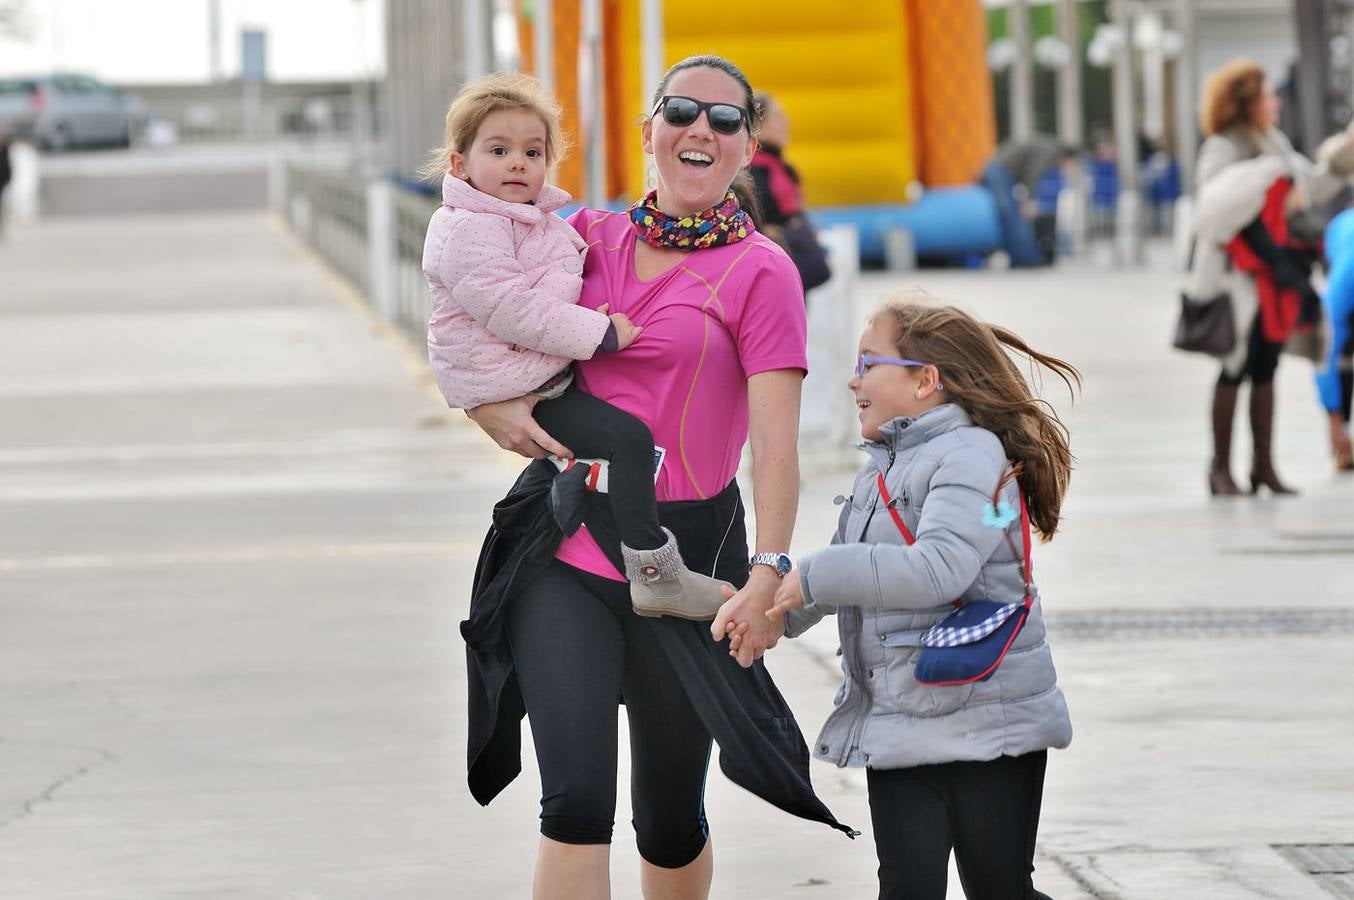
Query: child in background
x=505, y=274
x=962, y=444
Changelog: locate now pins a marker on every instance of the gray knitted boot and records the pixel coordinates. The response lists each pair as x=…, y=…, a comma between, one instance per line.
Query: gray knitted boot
x=662, y=585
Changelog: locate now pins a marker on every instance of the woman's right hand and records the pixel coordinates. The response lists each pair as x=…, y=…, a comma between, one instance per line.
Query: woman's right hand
x=511, y=426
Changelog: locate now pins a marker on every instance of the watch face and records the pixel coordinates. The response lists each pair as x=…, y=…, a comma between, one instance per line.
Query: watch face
x=783, y=565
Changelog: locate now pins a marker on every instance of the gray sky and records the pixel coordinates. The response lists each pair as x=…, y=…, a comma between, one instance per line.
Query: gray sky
x=168, y=40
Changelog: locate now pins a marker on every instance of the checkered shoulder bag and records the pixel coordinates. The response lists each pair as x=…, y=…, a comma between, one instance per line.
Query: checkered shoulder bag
x=969, y=644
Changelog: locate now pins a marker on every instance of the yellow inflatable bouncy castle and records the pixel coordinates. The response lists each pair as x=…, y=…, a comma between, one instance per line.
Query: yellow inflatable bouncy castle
x=839, y=71
x=887, y=99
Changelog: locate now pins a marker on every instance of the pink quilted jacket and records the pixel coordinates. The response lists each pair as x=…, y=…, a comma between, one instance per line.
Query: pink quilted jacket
x=505, y=279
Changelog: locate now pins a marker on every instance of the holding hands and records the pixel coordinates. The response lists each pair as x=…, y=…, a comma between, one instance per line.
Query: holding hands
x=751, y=634
x=789, y=596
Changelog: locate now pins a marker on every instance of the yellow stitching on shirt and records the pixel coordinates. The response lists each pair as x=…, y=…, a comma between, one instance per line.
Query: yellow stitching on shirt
x=686, y=407
x=705, y=343
x=598, y=243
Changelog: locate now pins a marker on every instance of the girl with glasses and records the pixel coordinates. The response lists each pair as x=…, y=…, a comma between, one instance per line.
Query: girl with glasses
x=552, y=631
x=957, y=444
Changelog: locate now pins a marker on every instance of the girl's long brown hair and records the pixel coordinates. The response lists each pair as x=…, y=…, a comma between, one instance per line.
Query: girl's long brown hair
x=979, y=376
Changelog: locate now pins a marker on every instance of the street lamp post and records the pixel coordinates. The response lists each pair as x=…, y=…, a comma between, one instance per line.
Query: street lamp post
x=1127, y=231
x=1186, y=92
x=1070, y=125
x=595, y=148
x=543, y=43
x=1022, y=93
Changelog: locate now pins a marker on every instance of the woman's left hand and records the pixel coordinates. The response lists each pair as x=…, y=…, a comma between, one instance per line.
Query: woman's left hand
x=745, y=614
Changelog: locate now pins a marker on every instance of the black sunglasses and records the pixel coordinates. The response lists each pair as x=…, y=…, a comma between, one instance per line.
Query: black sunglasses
x=682, y=111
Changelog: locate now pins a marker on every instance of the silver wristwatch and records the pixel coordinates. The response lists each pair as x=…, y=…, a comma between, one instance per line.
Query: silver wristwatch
x=780, y=562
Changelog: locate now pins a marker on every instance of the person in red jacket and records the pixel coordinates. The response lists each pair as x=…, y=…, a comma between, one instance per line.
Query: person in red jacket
x=779, y=198
x=1281, y=264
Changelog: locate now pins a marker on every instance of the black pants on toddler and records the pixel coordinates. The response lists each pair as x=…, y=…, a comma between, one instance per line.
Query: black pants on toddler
x=987, y=812
x=579, y=649
x=594, y=429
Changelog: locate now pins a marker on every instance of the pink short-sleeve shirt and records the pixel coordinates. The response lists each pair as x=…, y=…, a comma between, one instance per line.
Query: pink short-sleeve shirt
x=720, y=316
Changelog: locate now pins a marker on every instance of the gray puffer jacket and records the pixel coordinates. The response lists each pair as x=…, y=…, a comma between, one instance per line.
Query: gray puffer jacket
x=941, y=470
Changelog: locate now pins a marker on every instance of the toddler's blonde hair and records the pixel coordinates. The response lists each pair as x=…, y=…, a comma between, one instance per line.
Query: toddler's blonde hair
x=478, y=100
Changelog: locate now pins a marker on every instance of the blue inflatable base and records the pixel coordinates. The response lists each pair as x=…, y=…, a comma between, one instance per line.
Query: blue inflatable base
x=955, y=222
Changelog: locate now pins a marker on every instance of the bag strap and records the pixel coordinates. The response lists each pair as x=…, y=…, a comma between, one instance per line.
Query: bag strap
x=888, y=504
x=1026, y=572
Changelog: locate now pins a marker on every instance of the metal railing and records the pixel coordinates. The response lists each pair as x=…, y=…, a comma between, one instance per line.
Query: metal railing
x=411, y=304
x=329, y=212
x=368, y=231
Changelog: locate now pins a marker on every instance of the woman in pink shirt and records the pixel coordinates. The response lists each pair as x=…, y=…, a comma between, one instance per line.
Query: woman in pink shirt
x=719, y=362
x=505, y=273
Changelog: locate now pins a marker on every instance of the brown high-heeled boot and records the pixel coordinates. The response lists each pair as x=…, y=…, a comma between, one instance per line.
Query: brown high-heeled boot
x=1262, y=437
x=1220, y=481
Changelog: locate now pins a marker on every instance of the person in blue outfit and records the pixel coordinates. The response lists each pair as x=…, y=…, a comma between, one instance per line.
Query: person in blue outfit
x=1335, y=376
x=1013, y=176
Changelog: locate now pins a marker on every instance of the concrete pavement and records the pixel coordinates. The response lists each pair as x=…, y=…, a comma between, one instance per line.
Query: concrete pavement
x=237, y=531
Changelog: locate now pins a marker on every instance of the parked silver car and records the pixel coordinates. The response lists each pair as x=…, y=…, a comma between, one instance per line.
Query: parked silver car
x=63, y=111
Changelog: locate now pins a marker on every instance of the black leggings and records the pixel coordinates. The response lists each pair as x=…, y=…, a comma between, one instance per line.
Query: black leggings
x=987, y=812
x=594, y=429
x=1262, y=359
x=579, y=648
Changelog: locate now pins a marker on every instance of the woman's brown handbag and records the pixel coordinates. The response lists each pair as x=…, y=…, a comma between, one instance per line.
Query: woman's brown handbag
x=1206, y=326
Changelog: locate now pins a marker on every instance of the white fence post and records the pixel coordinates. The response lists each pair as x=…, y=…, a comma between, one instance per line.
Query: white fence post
x=827, y=422
x=381, y=247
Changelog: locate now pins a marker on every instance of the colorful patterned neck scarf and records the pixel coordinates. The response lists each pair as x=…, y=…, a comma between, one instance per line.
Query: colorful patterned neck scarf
x=722, y=224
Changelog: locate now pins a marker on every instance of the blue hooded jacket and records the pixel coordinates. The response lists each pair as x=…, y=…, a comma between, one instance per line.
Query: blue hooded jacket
x=1339, y=303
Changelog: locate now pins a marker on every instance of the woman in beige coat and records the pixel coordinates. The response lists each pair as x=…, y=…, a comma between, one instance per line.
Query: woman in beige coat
x=1243, y=156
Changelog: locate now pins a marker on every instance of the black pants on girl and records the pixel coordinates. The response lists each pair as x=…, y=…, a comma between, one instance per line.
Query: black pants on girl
x=594, y=429
x=579, y=650
x=987, y=812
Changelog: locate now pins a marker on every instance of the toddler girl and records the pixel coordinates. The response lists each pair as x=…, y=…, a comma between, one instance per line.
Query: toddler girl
x=505, y=274
x=967, y=456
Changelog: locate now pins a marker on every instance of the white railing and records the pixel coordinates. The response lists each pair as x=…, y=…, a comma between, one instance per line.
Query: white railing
x=218, y=118
x=370, y=231
x=412, y=304
x=328, y=210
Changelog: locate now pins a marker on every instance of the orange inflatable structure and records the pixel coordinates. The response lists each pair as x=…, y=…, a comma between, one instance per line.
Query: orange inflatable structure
x=882, y=95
